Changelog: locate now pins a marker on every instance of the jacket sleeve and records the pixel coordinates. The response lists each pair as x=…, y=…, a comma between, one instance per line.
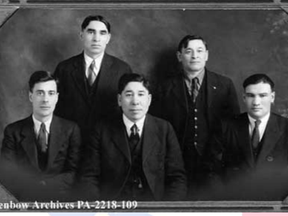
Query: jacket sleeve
x=175, y=174
x=233, y=107
x=91, y=167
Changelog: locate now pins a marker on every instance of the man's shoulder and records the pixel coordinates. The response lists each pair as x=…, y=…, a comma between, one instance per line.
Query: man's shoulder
x=281, y=120
x=217, y=76
x=157, y=122
x=72, y=60
x=19, y=124
x=64, y=122
x=115, y=60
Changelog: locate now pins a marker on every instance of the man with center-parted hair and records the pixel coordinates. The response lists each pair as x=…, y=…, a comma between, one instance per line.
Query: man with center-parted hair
x=255, y=146
x=89, y=80
x=135, y=156
x=40, y=153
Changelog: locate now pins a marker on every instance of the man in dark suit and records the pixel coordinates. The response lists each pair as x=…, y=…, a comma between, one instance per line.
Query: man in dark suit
x=40, y=153
x=255, y=146
x=136, y=156
x=194, y=101
x=89, y=80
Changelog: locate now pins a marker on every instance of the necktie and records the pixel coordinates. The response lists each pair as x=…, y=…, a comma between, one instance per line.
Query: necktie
x=92, y=73
x=256, y=135
x=134, y=136
x=195, y=88
x=42, y=138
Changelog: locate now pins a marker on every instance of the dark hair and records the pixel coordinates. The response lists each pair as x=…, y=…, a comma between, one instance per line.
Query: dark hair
x=184, y=42
x=258, y=78
x=132, y=77
x=40, y=76
x=99, y=18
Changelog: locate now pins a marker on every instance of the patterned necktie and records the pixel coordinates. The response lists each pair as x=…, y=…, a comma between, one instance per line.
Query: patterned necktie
x=92, y=73
x=256, y=135
x=195, y=88
x=42, y=138
x=134, y=136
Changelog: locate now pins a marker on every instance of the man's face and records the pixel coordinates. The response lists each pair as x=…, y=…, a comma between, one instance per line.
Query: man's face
x=258, y=99
x=44, y=97
x=95, y=37
x=134, y=100
x=193, y=58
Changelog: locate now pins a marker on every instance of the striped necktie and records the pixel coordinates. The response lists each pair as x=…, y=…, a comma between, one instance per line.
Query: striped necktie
x=195, y=88
x=92, y=73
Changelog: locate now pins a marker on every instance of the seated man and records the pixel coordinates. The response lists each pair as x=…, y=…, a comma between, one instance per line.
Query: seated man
x=136, y=156
x=255, y=146
x=40, y=153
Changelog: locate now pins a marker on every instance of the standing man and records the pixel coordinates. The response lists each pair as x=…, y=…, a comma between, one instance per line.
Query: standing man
x=255, y=146
x=89, y=80
x=136, y=156
x=40, y=153
x=193, y=102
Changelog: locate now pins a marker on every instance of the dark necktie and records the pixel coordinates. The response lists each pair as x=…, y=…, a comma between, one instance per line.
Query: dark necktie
x=92, y=73
x=134, y=136
x=42, y=138
x=195, y=88
x=256, y=135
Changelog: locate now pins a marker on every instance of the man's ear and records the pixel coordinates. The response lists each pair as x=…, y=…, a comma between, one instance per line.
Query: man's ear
x=30, y=96
x=119, y=100
x=178, y=54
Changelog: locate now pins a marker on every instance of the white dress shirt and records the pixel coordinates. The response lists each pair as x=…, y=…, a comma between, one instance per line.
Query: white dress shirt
x=262, y=125
x=88, y=61
x=128, y=124
x=37, y=125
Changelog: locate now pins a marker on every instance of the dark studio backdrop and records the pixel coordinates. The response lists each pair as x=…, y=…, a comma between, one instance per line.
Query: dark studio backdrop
x=241, y=42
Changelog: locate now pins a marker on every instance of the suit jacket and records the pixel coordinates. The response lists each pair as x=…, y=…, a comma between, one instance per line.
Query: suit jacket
x=76, y=103
x=109, y=162
x=20, y=161
x=261, y=178
x=171, y=103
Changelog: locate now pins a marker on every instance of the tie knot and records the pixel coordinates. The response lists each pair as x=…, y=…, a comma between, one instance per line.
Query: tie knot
x=195, y=80
x=257, y=123
x=134, y=129
x=93, y=65
x=42, y=126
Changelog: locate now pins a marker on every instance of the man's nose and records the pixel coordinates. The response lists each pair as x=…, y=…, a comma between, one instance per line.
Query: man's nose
x=96, y=37
x=45, y=98
x=256, y=101
x=194, y=54
x=135, y=100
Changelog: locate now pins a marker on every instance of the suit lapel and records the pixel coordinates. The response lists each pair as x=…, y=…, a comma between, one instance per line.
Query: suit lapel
x=271, y=136
x=56, y=139
x=212, y=86
x=120, y=138
x=149, y=138
x=179, y=92
x=244, y=139
x=29, y=141
x=105, y=75
x=78, y=75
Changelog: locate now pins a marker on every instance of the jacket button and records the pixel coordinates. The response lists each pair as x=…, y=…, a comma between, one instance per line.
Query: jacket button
x=270, y=158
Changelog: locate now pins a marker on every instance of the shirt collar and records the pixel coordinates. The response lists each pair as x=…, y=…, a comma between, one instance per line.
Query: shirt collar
x=37, y=124
x=128, y=124
x=263, y=120
x=98, y=60
x=200, y=77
